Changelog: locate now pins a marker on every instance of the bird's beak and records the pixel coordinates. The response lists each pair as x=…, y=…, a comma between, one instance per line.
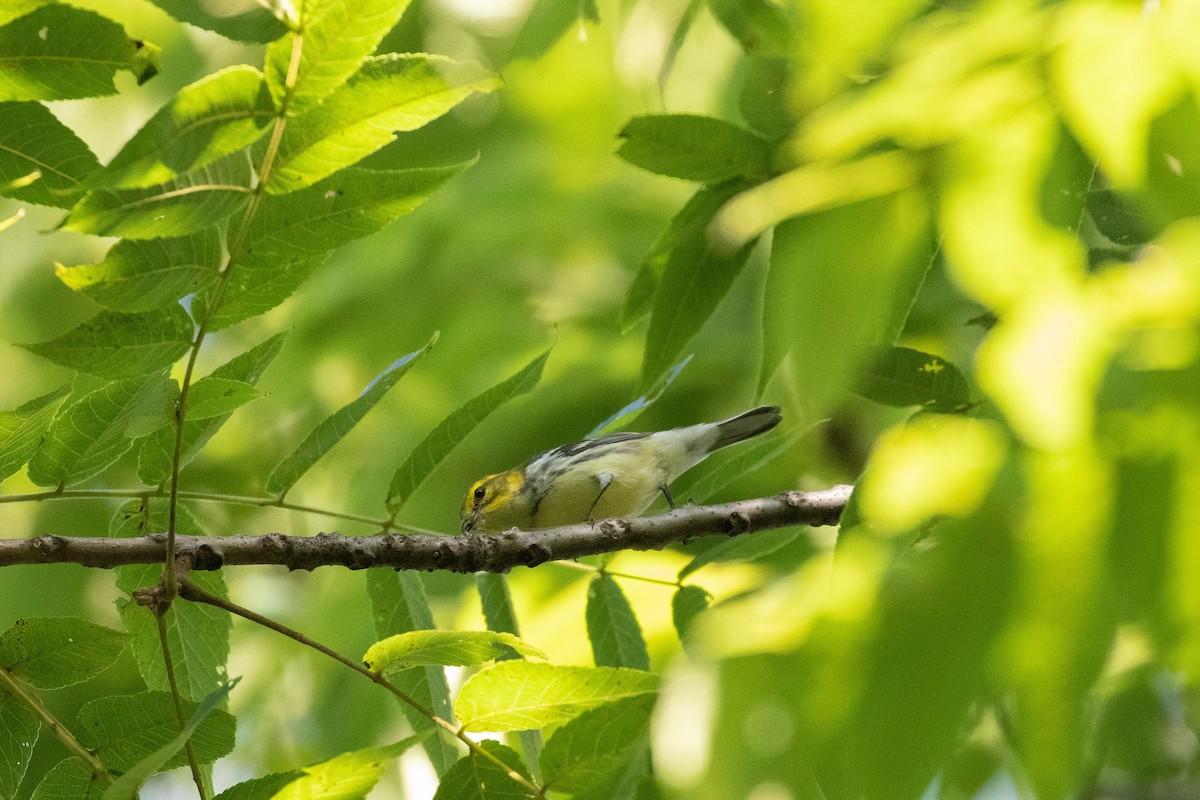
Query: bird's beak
x=468, y=523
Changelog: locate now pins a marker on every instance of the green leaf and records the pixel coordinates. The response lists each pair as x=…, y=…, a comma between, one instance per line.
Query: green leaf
x=522, y=695
x=19, y=728
x=678, y=38
x=337, y=37
x=448, y=648
x=14, y=9
x=630, y=411
x=399, y=605
x=22, y=430
x=333, y=428
x=123, y=730
x=154, y=461
x=743, y=549
x=694, y=148
x=128, y=783
x=138, y=275
x=49, y=653
x=688, y=225
x=349, y=776
x=213, y=117
x=686, y=605
x=264, y=788
x=454, y=428
x=760, y=26
x=69, y=779
x=901, y=376
x=290, y=234
x=198, y=634
x=93, y=431
x=113, y=344
x=33, y=140
x=839, y=276
x=189, y=203
x=597, y=743
x=501, y=617
x=475, y=777
x=766, y=82
x=218, y=397
x=389, y=95
x=60, y=52
x=244, y=21
x=612, y=627
x=696, y=276
x=1119, y=219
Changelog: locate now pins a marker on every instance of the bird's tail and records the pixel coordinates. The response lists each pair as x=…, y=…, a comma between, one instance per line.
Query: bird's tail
x=745, y=425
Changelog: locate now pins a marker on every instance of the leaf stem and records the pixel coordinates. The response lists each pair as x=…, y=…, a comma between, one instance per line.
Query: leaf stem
x=190, y=591
x=644, y=578
x=18, y=689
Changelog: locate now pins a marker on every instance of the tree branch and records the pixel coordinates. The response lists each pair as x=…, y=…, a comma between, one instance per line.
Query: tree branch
x=496, y=552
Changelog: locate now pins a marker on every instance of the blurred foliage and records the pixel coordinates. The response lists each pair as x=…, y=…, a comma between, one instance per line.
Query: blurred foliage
x=957, y=242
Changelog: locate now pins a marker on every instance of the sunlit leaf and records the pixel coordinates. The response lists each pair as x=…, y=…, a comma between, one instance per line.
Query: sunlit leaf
x=901, y=376
x=337, y=36
x=264, y=788
x=453, y=429
x=243, y=21
x=60, y=52
x=154, y=460
x=612, y=627
x=52, y=652
x=22, y=430
x=213, y=117
x=693, y=147
x=113, y=344
x=390, y=94
x=128, y=783
x=521, y=695
x=349, y=776
x=33, y=140
x=332, y=429
x=476, y=777
x=189, y=203
x=19, y=8
x=19, y=728
x=686, y=604
x=448, y=648
x=141, y=274
x=123, y=730
x=93, y=431
x=596, y=743
x=197, y=633
x=936, y=465
x=399, y=605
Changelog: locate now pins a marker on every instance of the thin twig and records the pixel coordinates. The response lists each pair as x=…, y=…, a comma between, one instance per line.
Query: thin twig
x=190, y=591
x=160, y=615
x=30, y=700
x=625, y=575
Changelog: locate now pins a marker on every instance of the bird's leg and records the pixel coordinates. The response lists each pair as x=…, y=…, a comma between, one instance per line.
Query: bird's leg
x=662, y=487
x=605, y=479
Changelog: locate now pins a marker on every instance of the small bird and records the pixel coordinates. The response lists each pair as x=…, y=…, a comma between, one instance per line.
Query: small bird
x=617, y=475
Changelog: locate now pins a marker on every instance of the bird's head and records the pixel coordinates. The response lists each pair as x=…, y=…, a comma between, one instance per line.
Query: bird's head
x=495, y=503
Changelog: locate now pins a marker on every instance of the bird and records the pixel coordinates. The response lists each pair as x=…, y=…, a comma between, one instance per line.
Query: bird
x=618, y=475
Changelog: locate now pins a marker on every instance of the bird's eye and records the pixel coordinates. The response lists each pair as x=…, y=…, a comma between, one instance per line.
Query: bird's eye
x=479, y=494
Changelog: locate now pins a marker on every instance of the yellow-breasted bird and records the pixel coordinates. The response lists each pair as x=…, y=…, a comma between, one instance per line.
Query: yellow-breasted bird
x=617, y=475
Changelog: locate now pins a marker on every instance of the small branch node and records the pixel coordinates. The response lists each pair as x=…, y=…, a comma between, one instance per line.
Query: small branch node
x=49, y=544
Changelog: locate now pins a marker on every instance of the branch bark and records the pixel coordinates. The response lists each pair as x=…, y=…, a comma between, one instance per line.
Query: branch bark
x=495, y=552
